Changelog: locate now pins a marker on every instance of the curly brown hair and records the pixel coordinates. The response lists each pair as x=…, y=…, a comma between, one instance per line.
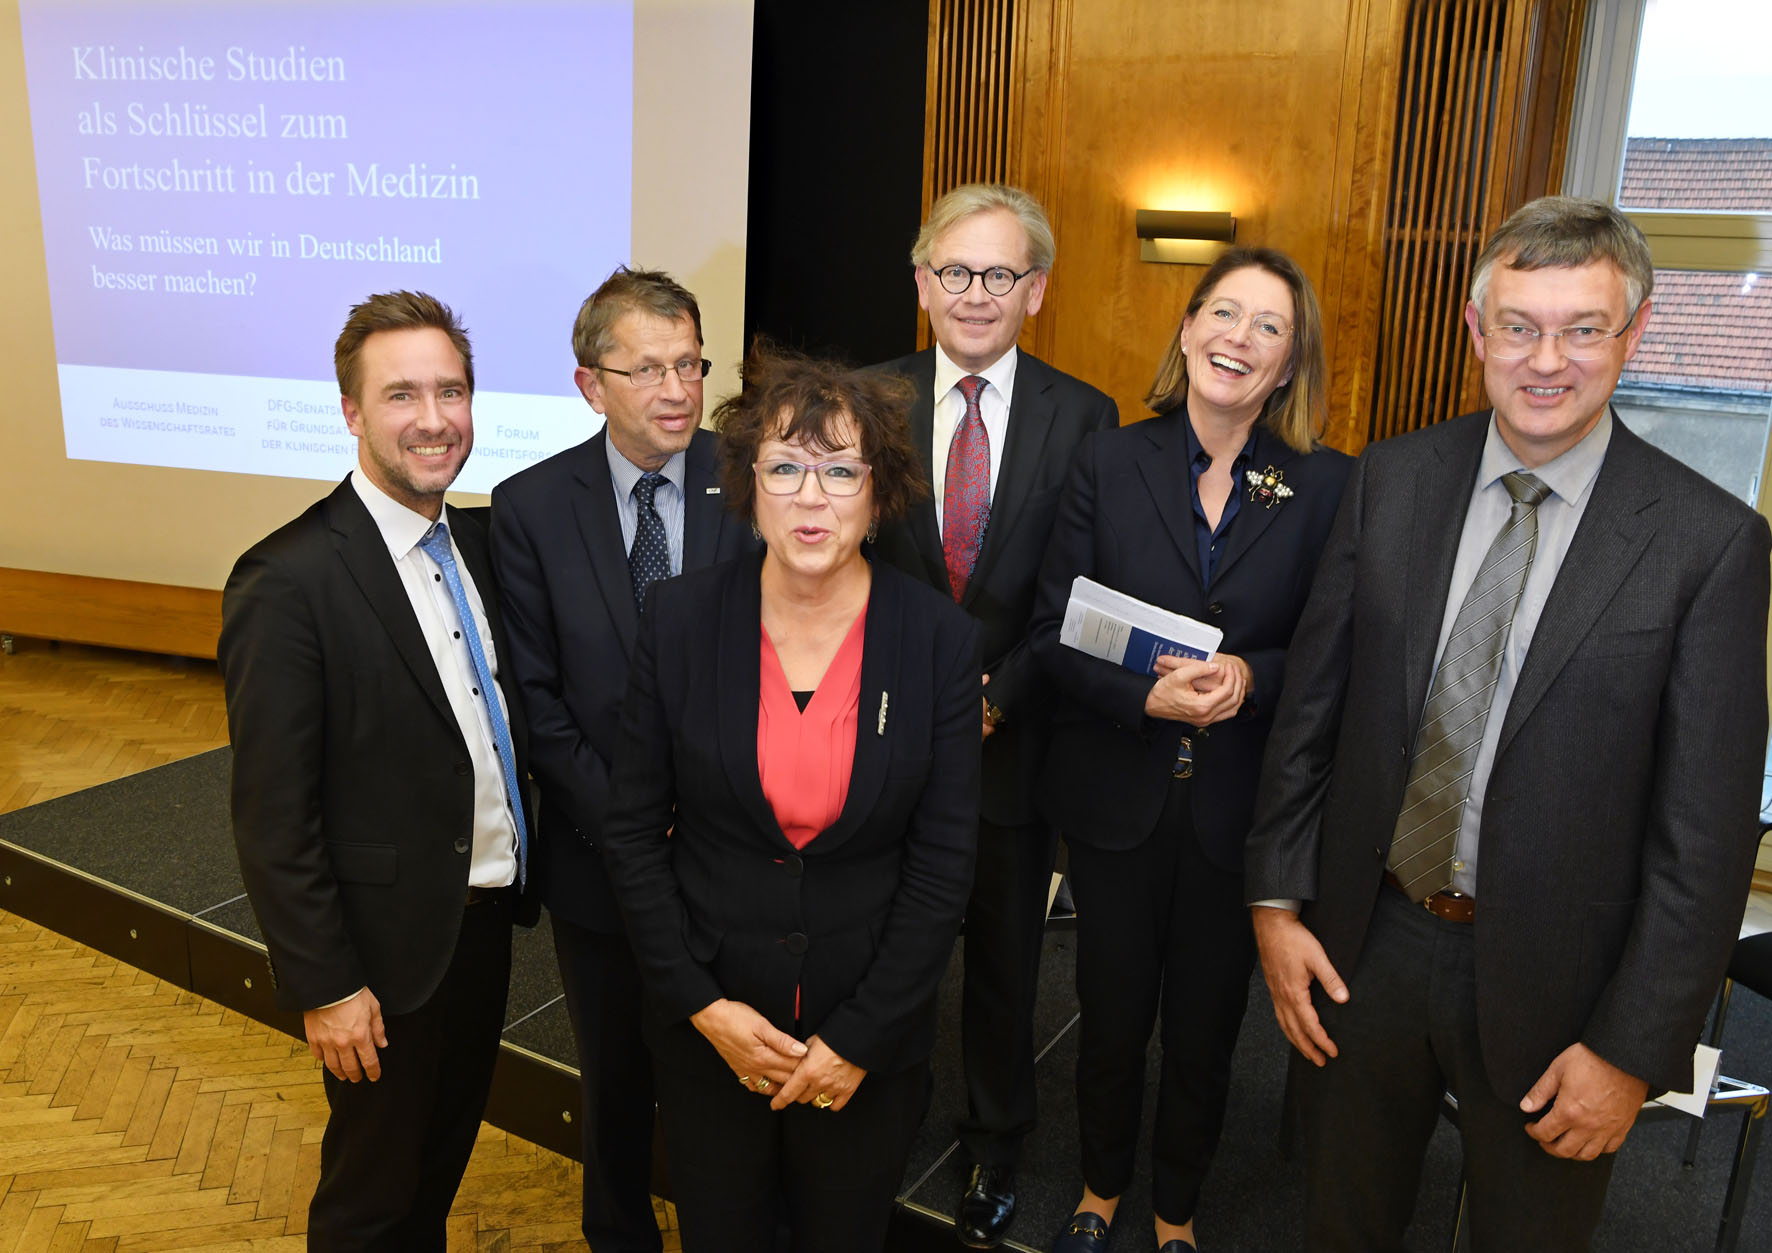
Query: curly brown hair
x=790, y=396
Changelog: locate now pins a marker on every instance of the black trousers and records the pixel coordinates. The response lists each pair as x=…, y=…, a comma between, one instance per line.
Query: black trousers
x=394, y=1150
x=1159, y=929
x=1005, y=928
x=740, y=1170
x=616, y=1105
x=1407, y=1034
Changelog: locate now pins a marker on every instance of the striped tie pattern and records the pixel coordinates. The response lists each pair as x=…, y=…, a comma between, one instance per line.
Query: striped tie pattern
x=1458, y=702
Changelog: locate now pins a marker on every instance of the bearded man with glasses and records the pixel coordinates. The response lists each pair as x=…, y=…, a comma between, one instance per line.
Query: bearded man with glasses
x=997, y=429
x=578, y=540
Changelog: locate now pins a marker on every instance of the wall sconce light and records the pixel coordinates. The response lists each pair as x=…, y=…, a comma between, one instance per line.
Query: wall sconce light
x=1184, y=238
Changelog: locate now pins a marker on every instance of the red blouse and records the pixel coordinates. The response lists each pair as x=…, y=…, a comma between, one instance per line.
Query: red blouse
x=804, y=758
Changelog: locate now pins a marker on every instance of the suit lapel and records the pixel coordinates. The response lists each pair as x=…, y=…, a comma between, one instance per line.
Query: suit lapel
x=1615, y=528
x=924, y=527
x=1430, y=534
x=737, y=687
x=1166, y=475
x=1252, y=518
x=599, y=527
x=704, y=507
x=1031, y=415
x=873, y=735
x=365, y=554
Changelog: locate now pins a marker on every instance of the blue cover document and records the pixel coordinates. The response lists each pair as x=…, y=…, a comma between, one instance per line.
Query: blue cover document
x=1128, y=632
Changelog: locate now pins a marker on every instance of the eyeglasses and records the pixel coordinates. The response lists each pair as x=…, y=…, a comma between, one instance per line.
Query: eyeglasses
x=1267, y=329
x=1579, y=343
x=999, y=280
x=689, y=370
x=837, y=478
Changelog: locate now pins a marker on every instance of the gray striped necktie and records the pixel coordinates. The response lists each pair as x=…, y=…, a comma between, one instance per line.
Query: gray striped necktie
x=1458, y=703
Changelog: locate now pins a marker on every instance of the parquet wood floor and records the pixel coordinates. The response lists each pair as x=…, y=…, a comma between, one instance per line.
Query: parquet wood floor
x=135, y=1115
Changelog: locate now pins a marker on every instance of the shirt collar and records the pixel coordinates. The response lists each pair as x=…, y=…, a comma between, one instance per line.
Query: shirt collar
x=624, y=473
x=401, y=529
x=1000, y=373
x=1195, y=451
x=1568, y=475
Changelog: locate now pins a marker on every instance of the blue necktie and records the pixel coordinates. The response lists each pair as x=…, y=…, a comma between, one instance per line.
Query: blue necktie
x=650, y=558
x=436, y=544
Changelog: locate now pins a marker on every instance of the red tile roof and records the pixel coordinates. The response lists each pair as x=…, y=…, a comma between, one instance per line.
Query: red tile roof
x=1708, y=331
x=1733, y=175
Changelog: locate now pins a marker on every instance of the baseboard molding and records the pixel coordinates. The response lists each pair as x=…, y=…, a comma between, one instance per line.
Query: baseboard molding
x=115, y=613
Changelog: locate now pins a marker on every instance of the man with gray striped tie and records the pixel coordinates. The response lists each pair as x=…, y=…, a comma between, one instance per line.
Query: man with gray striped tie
x=1509, y=807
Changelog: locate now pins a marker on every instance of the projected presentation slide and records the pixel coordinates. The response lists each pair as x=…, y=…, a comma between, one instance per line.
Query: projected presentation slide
x=221, y=182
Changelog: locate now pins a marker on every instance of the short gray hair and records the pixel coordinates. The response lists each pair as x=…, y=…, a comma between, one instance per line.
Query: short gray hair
x=1564, y=232
x=628, y=291
x=970, y=198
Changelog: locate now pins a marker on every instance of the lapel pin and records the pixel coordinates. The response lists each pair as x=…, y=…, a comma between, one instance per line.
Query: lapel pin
x=713, y=491
x=880, y=725
x=1266, y=486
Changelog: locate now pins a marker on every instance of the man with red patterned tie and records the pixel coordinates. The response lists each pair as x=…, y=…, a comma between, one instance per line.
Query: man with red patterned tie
x=997, y=429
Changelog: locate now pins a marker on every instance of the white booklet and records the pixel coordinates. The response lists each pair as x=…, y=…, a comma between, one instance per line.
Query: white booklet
x=1128, y=632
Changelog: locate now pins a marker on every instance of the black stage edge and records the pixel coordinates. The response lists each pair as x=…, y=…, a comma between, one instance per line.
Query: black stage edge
x=143, y=869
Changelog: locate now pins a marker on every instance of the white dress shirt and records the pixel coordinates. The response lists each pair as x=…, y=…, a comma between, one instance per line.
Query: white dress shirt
x=494, y=860
x=950, y=407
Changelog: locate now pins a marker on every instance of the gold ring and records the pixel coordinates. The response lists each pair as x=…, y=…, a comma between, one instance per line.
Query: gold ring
x=745, y=1079
x=762, y=1084
x=823, y=1100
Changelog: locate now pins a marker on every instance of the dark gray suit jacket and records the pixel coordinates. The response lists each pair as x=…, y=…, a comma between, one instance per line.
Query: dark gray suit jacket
x=569, y=605
x=353, y=794
x=1620, y=819
x=1049, y=415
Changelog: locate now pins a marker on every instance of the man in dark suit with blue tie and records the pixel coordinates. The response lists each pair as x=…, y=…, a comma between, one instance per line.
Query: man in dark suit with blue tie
x=997, y=429
x=577, y=540
x=1508, y=810
x=378, y=786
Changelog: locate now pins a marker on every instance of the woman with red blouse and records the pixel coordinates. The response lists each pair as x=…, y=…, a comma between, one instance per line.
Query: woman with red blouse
x=791, y=826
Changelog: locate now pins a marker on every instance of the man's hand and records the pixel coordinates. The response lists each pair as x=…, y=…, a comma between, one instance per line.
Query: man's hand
x=748, y=1043
x=821, y=1072
x=345, y=1037
x=1596, y=1105
x=1198, y=692
x=1290, y=958
x=985, y=704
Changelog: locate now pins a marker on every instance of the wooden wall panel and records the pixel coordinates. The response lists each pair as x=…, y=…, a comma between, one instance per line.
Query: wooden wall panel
x=117, y=613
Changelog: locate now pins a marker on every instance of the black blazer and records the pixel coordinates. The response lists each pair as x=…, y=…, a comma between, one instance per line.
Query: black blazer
x=1049, y=415
x=1127, y=521
x=718, y=902
x=569, y=605
x=1620, y=818
x=353, y=796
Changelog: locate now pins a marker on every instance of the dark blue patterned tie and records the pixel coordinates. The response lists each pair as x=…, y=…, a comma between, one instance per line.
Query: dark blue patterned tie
x=650, y=558
x=436, y=543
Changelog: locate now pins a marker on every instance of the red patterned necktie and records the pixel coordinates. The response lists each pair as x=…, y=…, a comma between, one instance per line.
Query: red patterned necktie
x=966, y=492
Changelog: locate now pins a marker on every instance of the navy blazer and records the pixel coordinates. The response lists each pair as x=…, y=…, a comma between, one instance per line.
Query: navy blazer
x=1621, y=815
x=859, y=924
x=569, y=604
x=1049, y=416
x=1127, y=521
x=353, y=794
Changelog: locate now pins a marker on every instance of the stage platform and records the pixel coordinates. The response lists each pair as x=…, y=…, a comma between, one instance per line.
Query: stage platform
x=144, y=869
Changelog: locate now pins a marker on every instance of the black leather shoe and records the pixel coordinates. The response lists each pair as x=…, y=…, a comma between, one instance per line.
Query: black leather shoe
x=987, y=1207
x=1178, y=1245
x=1083, y=1233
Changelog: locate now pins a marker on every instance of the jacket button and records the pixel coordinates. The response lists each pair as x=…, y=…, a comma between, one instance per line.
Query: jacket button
x=1215, y=608
x=1378, y=853
x=795, y=944
x=1202, y=734
x=462, y=845
x=463, y=768
x=793, y=865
